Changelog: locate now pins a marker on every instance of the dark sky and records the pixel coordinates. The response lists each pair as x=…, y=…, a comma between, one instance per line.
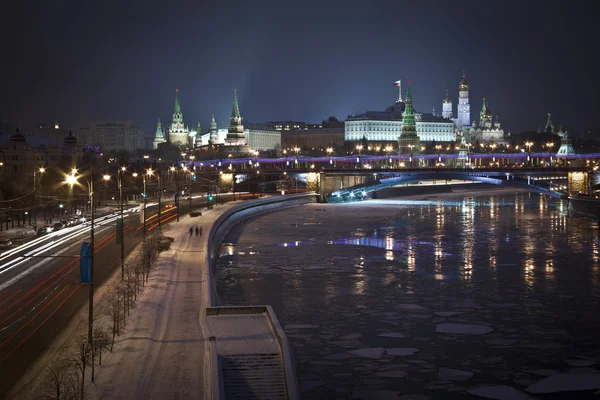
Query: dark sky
x=73, y=61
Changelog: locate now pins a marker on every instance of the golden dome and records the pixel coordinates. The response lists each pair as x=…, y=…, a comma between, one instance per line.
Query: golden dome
x=463, y=84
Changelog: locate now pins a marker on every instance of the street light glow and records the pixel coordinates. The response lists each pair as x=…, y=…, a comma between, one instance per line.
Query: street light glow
x=106, y=177
x=71, y=180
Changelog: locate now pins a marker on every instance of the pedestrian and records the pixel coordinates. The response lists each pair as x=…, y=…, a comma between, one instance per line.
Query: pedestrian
x=196, y=231
x=200, y=231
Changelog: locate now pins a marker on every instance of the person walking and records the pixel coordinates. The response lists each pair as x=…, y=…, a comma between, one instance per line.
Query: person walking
x=200, y=231
x=196, y=231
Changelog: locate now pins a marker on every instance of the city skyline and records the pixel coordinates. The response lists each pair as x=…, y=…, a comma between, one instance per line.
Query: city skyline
x=302, y=62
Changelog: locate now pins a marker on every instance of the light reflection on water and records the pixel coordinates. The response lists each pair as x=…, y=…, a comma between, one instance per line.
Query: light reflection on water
x=514, y=262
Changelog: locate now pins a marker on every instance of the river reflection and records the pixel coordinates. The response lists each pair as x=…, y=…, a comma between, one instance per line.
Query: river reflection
x=383, y=275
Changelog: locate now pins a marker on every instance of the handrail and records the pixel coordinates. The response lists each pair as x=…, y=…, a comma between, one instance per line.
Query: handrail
x=217, y=390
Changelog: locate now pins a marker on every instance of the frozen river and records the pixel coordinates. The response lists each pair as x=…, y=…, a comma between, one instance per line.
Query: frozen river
x=448, y=297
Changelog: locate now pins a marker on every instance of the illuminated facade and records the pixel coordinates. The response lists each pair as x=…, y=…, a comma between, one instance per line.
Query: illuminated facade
x=178, y=133
x=486, y=130
x=112, y=135
x=386, y=126
x=159, y=136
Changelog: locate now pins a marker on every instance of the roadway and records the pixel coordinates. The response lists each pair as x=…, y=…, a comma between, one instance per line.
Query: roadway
x=40, y=288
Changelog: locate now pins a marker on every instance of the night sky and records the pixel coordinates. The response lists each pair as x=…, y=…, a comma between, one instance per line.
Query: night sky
x=73, y=61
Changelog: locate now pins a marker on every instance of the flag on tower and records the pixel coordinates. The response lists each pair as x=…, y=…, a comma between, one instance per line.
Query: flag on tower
x=397, y=83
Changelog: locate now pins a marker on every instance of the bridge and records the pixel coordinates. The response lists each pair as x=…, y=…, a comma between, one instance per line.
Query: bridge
x=337, y=185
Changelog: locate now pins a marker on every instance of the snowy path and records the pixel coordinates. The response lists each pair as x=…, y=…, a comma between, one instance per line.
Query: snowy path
x=161, y=354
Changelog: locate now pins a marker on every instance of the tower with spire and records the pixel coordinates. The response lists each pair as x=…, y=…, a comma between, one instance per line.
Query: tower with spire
x=464, y=108
x=549, y=126
x=159, y=136
x=408, y=142
x=178, y=132
x=214, y=132
x=447, y=107
x=235, y=132
x=485, y=116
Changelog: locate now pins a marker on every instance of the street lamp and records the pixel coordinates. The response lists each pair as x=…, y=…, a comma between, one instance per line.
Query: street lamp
x=41, y=170
x=149, y=172
x=550, y=145
x=493, y=146
x=359, y=147
x=72, y=180
x=329, y=151
x=388, y=150
x=410, y=146
x=438, y=148
x=529, y=144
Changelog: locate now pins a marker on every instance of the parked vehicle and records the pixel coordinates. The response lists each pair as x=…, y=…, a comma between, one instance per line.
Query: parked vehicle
x=58, y=226
x=45, y=230
x=5, y=244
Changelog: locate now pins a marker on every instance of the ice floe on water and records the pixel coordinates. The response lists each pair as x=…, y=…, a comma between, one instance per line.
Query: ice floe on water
x=397, y=335
x=463, y=329
x=370, y=352
x=500, y=392
x=449, y=374
x=378, y=352
x=447, y=313
x=411, y=307
x=300, y=326
x=401, y=351
x=566, y=383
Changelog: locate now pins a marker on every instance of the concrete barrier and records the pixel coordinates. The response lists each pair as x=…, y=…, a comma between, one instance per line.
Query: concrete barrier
x=584, y=206
x=219, y=229
x=237, y=214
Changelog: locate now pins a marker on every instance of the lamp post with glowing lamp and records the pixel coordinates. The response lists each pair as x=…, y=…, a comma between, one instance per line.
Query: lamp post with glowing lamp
x=329, y=151
x=438, y=148
x=550, y=145
x=72, y=180
x=359, y=148
x=388, y=150
x=41, y=170
x=493, y=146
x=528, y=145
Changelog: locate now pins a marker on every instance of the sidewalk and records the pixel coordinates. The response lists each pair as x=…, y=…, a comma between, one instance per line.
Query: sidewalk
x=161, y=354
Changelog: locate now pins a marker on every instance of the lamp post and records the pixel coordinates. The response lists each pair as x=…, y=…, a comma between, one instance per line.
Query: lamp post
x=388, y=150
x=149, y=173
x=438, y=148
x=493, y=146
x=72, y=180
x=550, y=145
x=175, y=172
x=410, y=146
x=41, y=170
x=120, y=225
x=329, y=151
x=359, y=147
x=529, y=159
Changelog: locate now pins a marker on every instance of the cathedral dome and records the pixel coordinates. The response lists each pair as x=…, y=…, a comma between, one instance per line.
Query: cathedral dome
x=70, y=140
x=396, y=108
x=463, y=84
x=17, y=137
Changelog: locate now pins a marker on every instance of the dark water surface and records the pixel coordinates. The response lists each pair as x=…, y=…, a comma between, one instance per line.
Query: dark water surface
x=435, y=298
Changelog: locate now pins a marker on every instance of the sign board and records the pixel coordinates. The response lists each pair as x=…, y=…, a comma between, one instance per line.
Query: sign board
x=85, y=262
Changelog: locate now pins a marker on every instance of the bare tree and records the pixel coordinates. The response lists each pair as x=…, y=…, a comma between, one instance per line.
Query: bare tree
x=101, y=341
x=113, y=310
x=57, y=379
x=82, y=360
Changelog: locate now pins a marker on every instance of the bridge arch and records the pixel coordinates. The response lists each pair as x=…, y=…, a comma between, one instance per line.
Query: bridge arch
x=378, y=181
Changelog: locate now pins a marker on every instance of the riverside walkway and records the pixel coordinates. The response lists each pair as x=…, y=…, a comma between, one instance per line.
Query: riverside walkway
x=179, y=344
